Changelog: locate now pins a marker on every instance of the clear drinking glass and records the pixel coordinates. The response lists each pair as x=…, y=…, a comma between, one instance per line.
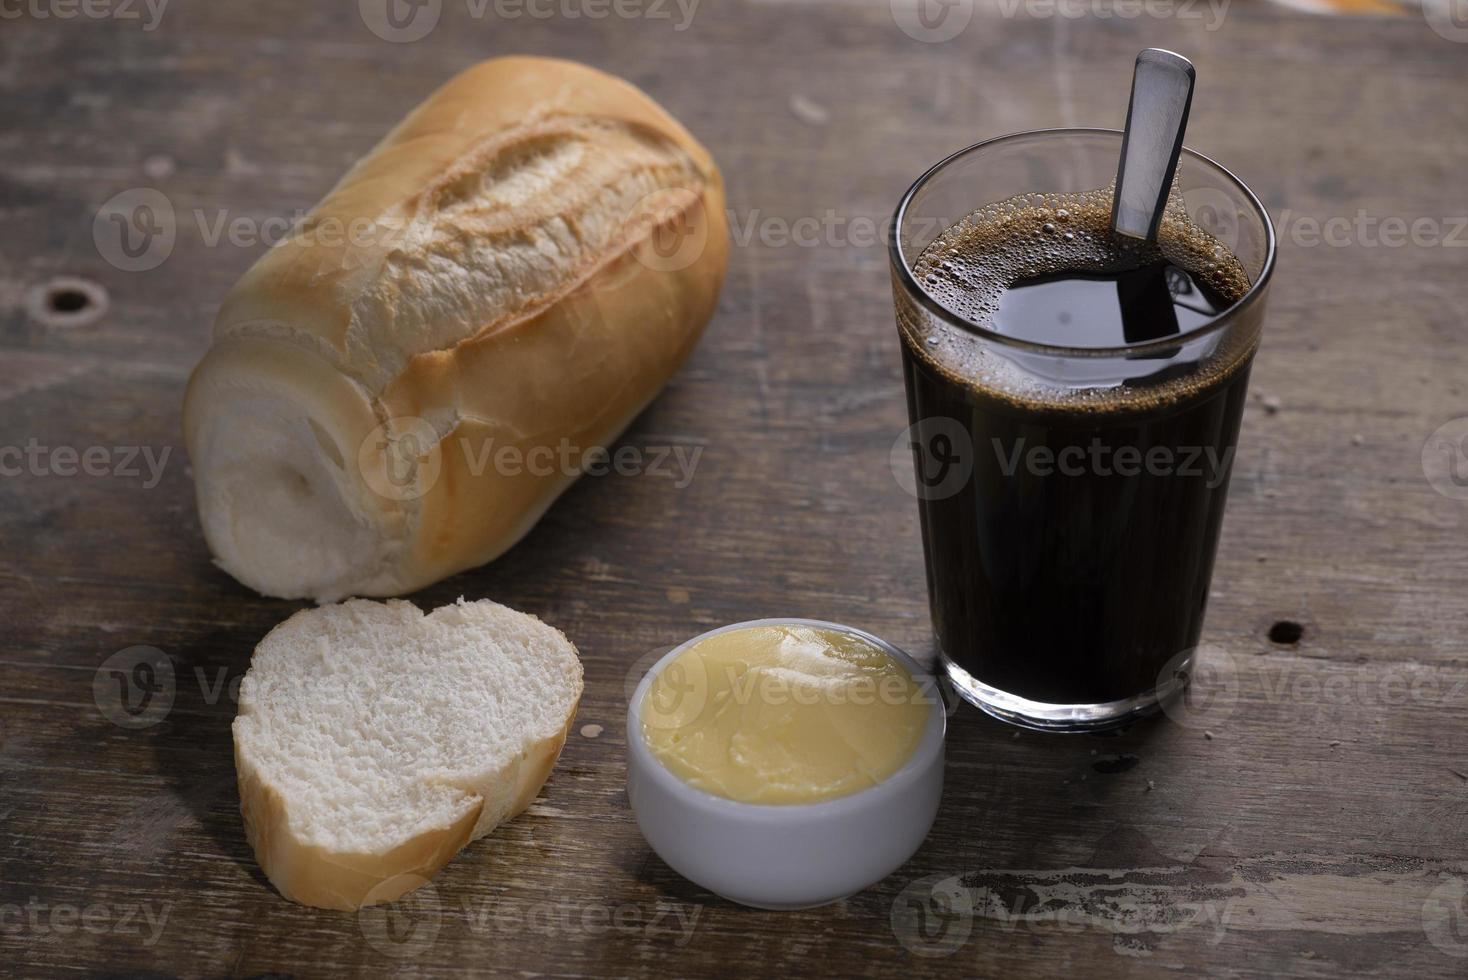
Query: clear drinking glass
x=1072, y=600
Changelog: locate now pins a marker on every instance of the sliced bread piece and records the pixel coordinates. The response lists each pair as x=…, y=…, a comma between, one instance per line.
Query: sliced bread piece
x=373, y=742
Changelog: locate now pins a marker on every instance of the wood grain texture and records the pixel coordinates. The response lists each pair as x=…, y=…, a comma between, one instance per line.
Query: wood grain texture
x=1322, y=829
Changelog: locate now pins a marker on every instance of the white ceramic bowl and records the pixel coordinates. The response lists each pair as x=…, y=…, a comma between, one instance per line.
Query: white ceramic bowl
x=787, y=856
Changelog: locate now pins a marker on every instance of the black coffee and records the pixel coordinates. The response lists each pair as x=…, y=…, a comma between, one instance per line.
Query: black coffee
x=1108, y=309
x=1073, y=564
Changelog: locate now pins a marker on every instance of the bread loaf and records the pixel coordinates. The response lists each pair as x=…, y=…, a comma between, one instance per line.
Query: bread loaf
x=374, y=742
x=510, y=275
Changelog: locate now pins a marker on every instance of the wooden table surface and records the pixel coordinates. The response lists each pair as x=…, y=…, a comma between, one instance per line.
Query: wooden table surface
x=1311, y=822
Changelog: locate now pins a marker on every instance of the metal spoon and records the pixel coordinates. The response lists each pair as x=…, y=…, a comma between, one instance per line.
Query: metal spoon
x=1162, y=92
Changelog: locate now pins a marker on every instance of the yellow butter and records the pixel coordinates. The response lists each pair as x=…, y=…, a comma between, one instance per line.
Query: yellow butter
x=783, y=714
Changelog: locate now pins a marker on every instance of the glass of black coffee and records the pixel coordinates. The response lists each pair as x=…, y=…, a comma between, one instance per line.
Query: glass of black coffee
x=1075, y=400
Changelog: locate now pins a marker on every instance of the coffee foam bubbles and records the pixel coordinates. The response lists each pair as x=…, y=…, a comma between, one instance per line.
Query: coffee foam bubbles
x=969, y=266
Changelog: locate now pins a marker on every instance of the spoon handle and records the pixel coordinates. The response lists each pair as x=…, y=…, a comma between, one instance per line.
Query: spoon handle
x=1162, y=92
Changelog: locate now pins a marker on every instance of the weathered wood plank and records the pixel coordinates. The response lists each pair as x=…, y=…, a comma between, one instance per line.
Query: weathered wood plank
x=1318, y=832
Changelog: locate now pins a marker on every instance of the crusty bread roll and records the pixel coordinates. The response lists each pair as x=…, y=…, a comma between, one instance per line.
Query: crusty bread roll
x=374, y=742
x=399, y=390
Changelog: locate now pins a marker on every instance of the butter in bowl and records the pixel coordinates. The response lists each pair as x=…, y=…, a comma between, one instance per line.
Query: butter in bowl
x=785, y=763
